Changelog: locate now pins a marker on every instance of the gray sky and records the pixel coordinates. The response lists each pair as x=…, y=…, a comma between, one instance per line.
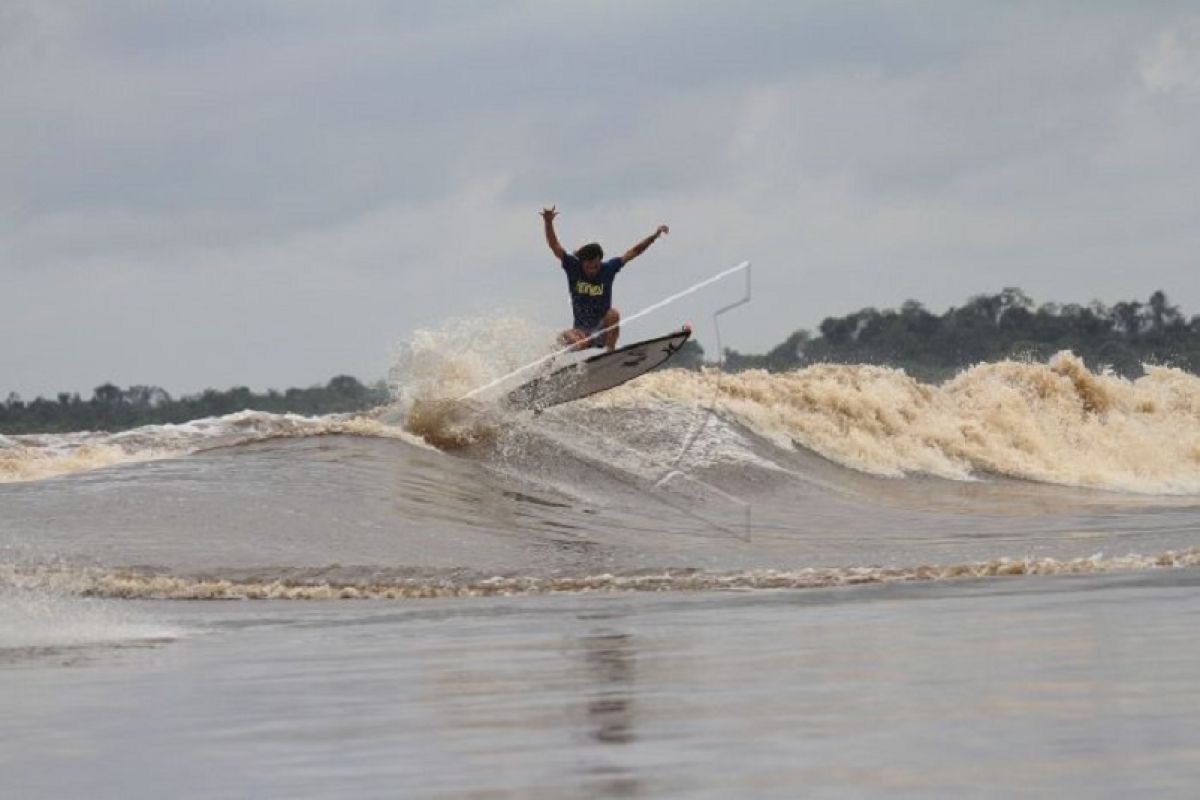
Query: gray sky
x=271, y=193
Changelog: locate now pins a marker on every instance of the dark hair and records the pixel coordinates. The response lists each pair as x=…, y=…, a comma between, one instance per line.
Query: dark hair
x=589, y=251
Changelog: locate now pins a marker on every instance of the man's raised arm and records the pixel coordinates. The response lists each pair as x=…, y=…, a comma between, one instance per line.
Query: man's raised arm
x=548, y=214
x=641, y=246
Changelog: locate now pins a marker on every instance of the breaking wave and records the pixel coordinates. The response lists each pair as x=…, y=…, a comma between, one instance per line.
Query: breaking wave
x=1054, y=423
x=40, y=456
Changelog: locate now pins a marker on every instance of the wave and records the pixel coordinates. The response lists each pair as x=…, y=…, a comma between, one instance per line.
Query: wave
x=1053, y=423
x=41, y=456
x=364, y=583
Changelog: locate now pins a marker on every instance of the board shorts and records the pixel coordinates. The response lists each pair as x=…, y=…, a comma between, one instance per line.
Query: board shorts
x=594, y=330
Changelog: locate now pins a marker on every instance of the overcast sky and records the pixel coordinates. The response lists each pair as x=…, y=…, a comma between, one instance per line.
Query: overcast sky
x=272, y=193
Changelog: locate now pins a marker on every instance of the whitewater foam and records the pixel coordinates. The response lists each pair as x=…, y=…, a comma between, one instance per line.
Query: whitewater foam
x=348, y=583
x=1054, y=423
x=41, y=456
x=434, y=368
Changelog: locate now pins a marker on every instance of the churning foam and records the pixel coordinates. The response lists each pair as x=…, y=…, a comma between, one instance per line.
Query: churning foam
x=1054, y=423
x=95, y=582
x=35, y=457
x=434, y=368
x=21, y=462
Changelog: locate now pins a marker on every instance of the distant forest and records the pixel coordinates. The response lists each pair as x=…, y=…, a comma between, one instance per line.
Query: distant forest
x=112, y=408
x=928, y=346
x=935, y=347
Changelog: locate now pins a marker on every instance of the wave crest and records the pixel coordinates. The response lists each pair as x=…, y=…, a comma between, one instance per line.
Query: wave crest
x=1055, y=423
x=41, y=456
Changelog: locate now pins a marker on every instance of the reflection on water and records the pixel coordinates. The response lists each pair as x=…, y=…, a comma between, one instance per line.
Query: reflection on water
x=609, y=661
x=1047, y=687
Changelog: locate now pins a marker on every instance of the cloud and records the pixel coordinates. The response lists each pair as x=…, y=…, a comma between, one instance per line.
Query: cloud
x=283, y=189
x=1172, y=64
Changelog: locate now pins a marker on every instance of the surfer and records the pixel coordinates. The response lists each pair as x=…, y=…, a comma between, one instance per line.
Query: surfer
x=590, y=281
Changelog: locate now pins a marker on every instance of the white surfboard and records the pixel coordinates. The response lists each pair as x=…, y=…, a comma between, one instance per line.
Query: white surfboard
x=598, y=373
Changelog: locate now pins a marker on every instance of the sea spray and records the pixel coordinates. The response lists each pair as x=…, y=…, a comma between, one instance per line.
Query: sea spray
x=433, y=368
x=1053, y=423
x=40, y=456
x=38, y=616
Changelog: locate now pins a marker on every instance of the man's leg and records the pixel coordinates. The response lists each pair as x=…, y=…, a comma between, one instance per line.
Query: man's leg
x=610, y=321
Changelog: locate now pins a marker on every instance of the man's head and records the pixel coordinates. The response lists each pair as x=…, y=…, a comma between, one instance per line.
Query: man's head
x=590, y=255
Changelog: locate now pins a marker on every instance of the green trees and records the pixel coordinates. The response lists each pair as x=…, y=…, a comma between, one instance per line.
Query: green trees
x=690, y=356
x=991, y=328
x=112, y=408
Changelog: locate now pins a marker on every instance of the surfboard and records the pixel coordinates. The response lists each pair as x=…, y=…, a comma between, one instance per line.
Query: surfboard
x=598, y=373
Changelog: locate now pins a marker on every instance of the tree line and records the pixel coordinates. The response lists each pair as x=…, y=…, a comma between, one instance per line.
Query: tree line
x=112, y=408
x=933, y=347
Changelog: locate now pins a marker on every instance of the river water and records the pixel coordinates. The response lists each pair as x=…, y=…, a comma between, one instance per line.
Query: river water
x=833, y=583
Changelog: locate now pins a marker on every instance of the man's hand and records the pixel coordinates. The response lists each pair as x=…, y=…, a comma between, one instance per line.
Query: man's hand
x=641, y=246
x=548, y=214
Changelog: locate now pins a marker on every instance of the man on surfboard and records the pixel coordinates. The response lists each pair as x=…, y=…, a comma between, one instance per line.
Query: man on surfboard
x=590, y=281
